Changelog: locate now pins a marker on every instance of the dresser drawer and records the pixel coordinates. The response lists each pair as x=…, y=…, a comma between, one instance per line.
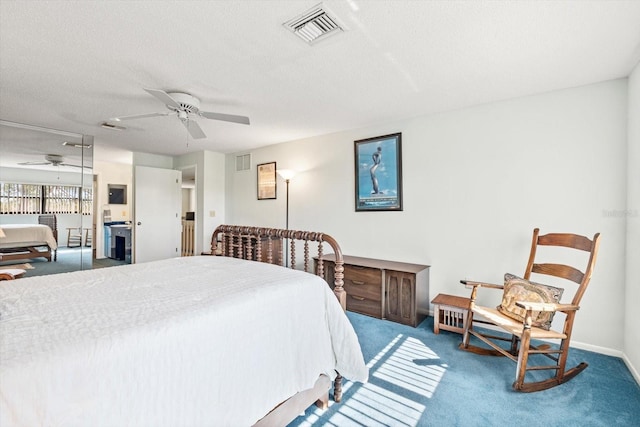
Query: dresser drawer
x=363, y=282
x=364, y=305
x=363, y=275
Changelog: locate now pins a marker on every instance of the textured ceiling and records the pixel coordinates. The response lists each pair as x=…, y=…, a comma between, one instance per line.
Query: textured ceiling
x=72, y=65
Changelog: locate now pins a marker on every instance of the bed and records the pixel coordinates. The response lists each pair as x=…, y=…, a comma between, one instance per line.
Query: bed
x=206, y=340
x=27, y=241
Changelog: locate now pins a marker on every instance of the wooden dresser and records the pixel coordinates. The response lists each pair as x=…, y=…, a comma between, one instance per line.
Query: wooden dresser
x=390, y=290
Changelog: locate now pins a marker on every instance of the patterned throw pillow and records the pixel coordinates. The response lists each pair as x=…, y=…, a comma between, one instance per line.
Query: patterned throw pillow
x=519, y=289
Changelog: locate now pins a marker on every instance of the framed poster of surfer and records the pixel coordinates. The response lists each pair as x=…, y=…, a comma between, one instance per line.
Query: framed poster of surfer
x=378, y=173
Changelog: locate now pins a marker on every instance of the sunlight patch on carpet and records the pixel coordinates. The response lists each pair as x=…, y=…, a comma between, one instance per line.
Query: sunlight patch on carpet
x=405, y=363
x=410, y=367
x=371, y=406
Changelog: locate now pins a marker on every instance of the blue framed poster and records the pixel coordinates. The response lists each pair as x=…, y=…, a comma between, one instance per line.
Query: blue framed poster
x=378, y=168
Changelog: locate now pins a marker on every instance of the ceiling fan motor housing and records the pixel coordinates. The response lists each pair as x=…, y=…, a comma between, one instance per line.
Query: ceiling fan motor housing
x=55, y=159
x=188, y=103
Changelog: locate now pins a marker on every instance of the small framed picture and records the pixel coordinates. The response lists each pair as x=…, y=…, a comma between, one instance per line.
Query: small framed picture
x=267, y=181
x=378, y=170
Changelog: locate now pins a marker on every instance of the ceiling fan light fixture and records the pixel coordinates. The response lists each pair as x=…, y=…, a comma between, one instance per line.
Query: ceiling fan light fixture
x=111, y=126
x=314, y=25
x=76, y=145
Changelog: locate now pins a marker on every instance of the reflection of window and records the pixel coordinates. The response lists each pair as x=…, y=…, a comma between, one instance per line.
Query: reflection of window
x=45, y=199
x=86, y=202
x=20, y=198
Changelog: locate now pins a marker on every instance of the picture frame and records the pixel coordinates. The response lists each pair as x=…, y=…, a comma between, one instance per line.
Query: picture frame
x=117, y=194
x=267, y=181
x=378, y=173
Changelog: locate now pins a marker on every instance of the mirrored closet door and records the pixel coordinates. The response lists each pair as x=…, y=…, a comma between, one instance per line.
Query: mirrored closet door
x=46, y=177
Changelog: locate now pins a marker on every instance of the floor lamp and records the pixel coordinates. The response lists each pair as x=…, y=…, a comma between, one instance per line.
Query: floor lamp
x=287, y=174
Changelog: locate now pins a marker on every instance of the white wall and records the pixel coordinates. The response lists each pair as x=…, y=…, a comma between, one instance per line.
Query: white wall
x=152, y=160
x=476, y=183
x=210, y=197
x=213, y=197
x=631, y=331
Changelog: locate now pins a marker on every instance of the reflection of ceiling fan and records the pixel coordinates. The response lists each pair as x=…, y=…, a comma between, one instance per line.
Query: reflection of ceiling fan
x=184, y=106
x=50, y=159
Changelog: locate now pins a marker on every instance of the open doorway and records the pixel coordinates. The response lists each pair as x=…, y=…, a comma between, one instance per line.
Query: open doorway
x=189, y=209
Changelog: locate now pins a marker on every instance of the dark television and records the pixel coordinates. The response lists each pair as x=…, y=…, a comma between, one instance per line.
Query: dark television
x=117, y=194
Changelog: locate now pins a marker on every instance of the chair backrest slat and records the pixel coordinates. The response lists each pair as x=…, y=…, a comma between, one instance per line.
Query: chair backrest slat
x=567, y=240
x=559, y=270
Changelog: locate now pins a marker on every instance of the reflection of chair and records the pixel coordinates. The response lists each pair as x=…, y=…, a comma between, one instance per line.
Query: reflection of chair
x=51, y=221
x=527, y=310
x=88, y=237
x=74, y=237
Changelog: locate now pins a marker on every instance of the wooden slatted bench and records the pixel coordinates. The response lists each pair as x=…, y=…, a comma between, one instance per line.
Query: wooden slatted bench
x=449, y=313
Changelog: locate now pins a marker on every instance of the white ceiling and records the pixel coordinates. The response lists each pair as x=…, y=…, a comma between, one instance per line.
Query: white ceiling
x=72, y=65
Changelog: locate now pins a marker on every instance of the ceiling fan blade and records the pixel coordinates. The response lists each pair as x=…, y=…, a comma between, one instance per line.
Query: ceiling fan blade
x=139, y=116
x=34, y=163
x=224, y=117
x=194, y=129
x=163, y=96
x=70, y=165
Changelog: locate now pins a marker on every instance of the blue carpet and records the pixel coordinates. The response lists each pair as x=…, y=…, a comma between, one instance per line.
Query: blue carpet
x=418, y=378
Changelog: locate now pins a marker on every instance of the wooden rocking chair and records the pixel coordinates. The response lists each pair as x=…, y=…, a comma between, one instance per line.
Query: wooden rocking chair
x=527, y=309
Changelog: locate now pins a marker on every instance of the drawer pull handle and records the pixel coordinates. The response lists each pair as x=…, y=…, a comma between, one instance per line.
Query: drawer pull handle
x=357, y=282
x=358, y=298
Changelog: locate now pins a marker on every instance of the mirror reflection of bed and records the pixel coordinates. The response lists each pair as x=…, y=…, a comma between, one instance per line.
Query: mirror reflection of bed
x=41, y=171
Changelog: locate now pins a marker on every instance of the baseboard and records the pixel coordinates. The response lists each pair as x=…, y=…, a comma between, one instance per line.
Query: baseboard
x=610, y=352
x=632, y=369
x=597, y=349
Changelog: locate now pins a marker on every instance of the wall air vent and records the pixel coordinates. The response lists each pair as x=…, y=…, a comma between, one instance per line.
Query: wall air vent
x=314, y=25
x=243, y=162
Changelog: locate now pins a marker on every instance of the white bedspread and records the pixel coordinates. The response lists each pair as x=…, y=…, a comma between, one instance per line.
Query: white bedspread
x=196, y=341
x=22, y=235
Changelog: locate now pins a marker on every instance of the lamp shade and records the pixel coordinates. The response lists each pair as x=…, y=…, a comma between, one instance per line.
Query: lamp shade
x=2, y=233
x=286, y=174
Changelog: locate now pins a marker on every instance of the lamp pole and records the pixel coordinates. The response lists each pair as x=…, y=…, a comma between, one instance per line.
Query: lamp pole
x=287, y=174
x=287, y=220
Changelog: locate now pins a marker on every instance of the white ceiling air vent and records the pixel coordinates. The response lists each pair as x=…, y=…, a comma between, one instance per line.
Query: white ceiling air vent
x=314, y=25
x=243, y=162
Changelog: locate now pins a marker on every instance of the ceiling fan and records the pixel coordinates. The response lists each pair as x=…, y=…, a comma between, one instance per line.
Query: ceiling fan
x=51, y=159
x=184, y=106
